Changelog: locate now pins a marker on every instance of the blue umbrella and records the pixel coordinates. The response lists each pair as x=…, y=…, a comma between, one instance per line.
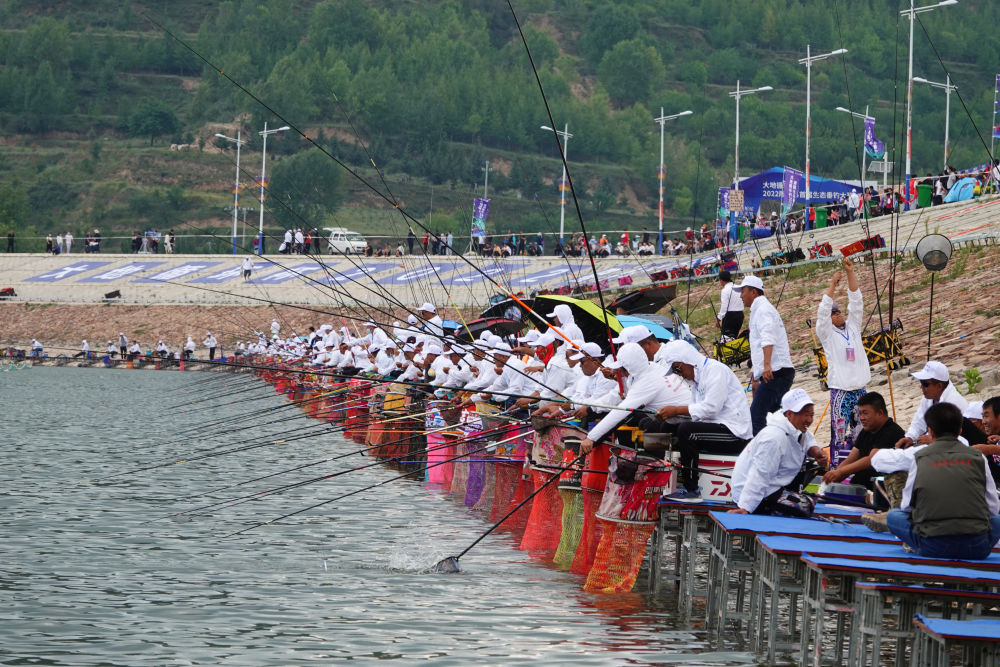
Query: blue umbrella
x=661, y=332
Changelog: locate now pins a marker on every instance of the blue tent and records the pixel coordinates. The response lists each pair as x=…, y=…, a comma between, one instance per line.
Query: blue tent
x=768, y=185
x=962, y=190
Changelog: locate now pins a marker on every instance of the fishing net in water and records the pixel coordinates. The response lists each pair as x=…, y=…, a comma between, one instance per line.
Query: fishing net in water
x=545, y=521
x=477, y=476
x=619, y=556
x=506, y=479
x=460, y=468
x=437, y=451
x=590, y=533
x=485, y=502
x=572, y=528
x=519, y=520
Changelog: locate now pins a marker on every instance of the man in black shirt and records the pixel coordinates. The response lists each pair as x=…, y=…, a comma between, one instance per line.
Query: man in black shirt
x=878, y=431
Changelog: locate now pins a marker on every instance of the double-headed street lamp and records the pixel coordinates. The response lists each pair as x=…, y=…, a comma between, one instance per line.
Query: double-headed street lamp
x=563, y=185
x=263, y=178
x=912, y=13
x=662, y=120
x=948, y=86
x=737, y=94
x=236, y=188
x=808, y=61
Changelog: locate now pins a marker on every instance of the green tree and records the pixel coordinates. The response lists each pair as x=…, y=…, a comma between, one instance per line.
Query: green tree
x=608, y=25
x=15, y=207
x=42, y=99
x=630, y=70
x=309, y=184
x=153, y=119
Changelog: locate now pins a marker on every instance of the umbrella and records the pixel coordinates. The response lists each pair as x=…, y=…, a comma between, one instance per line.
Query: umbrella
x=658, y=330
x=498, y=325
x=647, y=299
x=587, y=314
x=508, y=309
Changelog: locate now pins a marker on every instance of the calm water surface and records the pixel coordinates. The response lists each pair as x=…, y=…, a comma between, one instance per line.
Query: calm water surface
x=85, y=579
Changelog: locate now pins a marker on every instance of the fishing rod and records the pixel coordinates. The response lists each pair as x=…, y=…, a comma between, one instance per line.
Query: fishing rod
x=355, y=492
x=233, y=502
x=365, y=182
x=450, y=564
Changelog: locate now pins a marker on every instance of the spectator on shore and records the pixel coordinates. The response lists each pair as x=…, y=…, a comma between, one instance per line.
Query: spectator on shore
x=211, y=343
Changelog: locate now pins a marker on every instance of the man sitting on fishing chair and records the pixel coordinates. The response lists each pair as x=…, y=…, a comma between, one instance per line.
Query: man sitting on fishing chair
x=774, y=457
x=647, y=391
x=588, y=390
x=552, y=371
x=720, y=417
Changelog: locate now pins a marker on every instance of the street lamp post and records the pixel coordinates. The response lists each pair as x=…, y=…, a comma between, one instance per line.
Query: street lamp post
x=912, y=12
x=662, y=120
x=737, y=94
x=564, y=147
x=808, y=61
x=263, y=177
x=862, y=116
x=948, y=86
x=236, y=188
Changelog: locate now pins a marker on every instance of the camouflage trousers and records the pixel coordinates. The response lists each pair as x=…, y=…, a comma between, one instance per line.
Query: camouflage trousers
x=893, y=484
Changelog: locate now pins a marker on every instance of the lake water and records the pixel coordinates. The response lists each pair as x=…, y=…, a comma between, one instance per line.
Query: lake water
x=86, y=580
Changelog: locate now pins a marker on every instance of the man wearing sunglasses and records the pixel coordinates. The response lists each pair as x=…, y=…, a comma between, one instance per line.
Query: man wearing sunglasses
x=936, y=386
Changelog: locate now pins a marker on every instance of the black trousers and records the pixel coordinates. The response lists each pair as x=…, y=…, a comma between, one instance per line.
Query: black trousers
x=211, y=354
x=732, y=323
x=689, y=445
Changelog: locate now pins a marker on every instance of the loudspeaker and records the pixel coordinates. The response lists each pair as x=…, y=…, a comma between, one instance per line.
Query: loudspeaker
x=113, y=295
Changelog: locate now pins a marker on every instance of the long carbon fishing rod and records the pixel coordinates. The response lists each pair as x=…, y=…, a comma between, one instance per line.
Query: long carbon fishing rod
x=356, y=491
x=450, y=564
x=367, y=184
x=258, y=495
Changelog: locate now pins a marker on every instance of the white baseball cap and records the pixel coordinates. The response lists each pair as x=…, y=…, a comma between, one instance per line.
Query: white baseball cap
x=933, y=370
x=546, y=338
x=974, y=410
x=529, y=337
x=433, y=348
x=587, y=350
x=750, y=280
x=795, y=400
x=501, y=348
x=429, y=307
x=633, y=334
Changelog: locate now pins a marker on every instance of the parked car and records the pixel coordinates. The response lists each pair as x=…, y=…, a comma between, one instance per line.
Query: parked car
x=343, y=240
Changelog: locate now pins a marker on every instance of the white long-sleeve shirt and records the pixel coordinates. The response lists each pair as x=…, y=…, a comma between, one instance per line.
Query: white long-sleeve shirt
x=770, y=461
x=766, y=328
x=589, y=388
x=210, y=342
x=510, y=382
x=718, y=397
x=847, y=362
x=557, y=377
x=649, y=390
x=729, y=301
x=950, y=395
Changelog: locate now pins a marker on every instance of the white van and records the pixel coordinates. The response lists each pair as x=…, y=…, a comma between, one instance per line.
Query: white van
x=343, y=240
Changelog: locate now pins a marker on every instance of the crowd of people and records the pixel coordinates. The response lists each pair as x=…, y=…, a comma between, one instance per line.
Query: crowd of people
x=936, y=479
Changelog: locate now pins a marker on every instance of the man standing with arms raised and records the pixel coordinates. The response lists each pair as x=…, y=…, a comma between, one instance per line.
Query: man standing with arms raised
x=773, y=371
x=848, y=370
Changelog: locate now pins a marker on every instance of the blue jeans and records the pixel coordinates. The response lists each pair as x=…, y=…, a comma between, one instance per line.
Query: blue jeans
x=966, y=547
x=767, y=397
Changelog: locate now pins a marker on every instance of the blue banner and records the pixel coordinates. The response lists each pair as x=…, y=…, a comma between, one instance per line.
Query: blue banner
x=790, y=188
x=770, y=185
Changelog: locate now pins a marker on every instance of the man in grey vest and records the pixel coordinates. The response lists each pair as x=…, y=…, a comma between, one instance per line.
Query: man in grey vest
x=949, y=507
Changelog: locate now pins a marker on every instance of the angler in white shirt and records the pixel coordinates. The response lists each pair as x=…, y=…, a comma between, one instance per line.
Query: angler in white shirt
x=775, y=455
x=720, y=417
x=510, y=380
x=848, y=370
x=411, y=371
x=134, y=352
x=562, y=319
x=123, y=344
x=84, y=350
x=773, y=371
x=648, y=390
x=555, y=376
x=589, y=386
x=458, y=374
x=275, y=328
x=189, y=348
x=211, y=344
x=730, y=316
x=483, y=368
x=162, y=349
x=433, y=325
x=936, y=387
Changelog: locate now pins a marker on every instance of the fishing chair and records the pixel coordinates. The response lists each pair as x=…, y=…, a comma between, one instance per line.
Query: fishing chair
x=734, y=352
